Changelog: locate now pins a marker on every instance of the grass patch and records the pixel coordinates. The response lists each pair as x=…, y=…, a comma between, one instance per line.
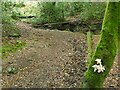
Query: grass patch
x=8, y=48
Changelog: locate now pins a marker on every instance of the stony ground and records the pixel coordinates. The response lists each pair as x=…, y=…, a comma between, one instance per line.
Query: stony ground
x=51, y=58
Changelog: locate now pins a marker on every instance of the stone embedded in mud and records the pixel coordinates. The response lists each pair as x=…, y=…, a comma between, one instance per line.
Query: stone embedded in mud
x=11, y=70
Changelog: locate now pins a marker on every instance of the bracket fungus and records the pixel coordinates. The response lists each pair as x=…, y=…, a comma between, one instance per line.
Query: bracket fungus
x=98, y=67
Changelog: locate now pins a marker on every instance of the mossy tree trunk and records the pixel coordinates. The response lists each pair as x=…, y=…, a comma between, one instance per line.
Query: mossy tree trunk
x=119, y=28
x=119, y=39
x=106, y=49
x=89, y=45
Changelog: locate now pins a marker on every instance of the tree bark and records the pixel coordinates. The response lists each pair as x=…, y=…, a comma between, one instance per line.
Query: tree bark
x=106, y=49
x=119, y=27
x=89, y=46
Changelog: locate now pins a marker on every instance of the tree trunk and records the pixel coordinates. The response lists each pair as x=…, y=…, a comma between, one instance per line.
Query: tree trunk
x=119, y=40
x=89, y=45
x=106, y=49
x=119, y=27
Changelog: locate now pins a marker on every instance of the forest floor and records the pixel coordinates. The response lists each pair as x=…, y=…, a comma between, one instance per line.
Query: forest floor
x=51, y=58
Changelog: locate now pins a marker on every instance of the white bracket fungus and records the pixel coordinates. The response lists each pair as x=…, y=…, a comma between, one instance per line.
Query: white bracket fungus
x=98, y=67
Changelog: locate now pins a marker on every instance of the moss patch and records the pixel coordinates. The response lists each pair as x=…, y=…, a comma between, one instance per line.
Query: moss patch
x=8, y=48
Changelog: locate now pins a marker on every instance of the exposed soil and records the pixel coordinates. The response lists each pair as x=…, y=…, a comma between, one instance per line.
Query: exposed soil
x=51, y=58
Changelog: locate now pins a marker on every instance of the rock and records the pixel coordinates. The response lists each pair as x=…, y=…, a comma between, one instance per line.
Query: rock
x=11, y=70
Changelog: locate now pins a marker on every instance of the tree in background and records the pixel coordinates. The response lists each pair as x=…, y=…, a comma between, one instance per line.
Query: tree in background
x=105, y=53
x=50, y=12
x=119, y=32
x=92, y=10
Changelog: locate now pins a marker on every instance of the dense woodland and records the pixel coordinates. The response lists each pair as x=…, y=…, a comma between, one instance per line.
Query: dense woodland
x=68, y=37
x=74, y=16
x=63, y=16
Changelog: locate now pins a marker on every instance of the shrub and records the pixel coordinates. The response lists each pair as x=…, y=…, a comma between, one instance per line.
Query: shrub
x=8, y=23
x=92, y=11
x=50, y=12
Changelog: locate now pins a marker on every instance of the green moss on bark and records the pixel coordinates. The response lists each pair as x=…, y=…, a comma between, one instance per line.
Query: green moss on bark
x=89, y=45
x=106, y=48
x=119, y=28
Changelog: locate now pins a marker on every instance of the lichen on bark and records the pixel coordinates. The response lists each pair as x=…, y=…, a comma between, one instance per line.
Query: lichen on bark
x=105, y=50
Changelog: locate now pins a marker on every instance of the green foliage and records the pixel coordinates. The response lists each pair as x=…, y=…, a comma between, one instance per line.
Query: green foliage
x=73, y=8
x=11, y=47
x=8, y=23
x=15, y=15
x=21, y=4
x=6, y=19
x=6, y=6
x=50, y=12
x=92, y=11
x=7, y=12
x=9, y=29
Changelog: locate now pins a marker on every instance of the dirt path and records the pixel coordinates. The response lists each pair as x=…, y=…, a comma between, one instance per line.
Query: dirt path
x=50, y=59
